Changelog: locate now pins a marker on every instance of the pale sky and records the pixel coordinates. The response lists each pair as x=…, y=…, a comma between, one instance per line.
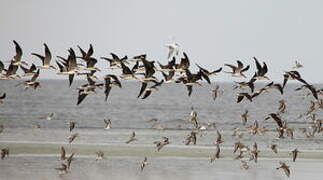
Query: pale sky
x=212, y=32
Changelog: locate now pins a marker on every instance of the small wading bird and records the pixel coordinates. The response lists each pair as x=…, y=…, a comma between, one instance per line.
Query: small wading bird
x=284, y=167
x=242, y=149
x=69, y=160
x=63, y=154
x=107, y=124
x=219, y=139
x=244, y=117
x=2, y=98
x=62, y=169
x=216, y=155
x=132, y=138
x=160, y=144
x=216, y=92
x=48, y=117
x=273, y=147
x=191, y=138
x=4, y=152
x=143, y=164
x=72, y=125
x=282, y=106
x=244, y=165
x=254, y=153
x=295, y=153
x=72, y=137
x=99, y=155
x=256, y=129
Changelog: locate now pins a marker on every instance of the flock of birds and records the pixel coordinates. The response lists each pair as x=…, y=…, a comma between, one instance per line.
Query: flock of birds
x=145, y=71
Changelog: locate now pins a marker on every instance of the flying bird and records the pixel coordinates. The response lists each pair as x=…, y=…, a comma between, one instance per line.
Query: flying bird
x=62, y=169
x=173, y=50
x=237, y=71
x=146, y=91
x=4, y=152
x=219, y=139
x=297, y=65
x=107, y=124
x=29, y=71
x=216, y=92
x=160, y=144
x=295, y=153
x=216, y=155
x=110, y=81
x=63, y=154
x=282, y=106
x=244, y=165
x=32, y=83
x=68, y=66
x=293, y=75
x=72, y=125
x=241, y=96
x=284, y=167
x=261, y=70
x=17, y=58
x=99, y=155
x=244, y=117
x=254, y=153
x=309, y=87
x=244, y=84
x=190, y=138
x=11, y=72
x=45, y=59
x=132, y=138
x=143, y=164
x=273, y=147
x=72, y=137
x=205, y=73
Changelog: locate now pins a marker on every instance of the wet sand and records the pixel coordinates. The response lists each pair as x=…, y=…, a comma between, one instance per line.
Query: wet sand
x=35, y=153
x=85, y=167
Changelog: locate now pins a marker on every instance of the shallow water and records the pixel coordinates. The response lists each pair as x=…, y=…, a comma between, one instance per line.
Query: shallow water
x=170, y=105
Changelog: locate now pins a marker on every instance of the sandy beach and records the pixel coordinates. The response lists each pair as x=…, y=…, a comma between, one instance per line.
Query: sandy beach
x=40, y=167
x=35, y=155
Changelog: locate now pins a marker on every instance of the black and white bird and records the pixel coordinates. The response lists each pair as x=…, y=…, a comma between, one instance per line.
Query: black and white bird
x=261, y=70
x=45, y=59
x=237, y=71
x=110, y=81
